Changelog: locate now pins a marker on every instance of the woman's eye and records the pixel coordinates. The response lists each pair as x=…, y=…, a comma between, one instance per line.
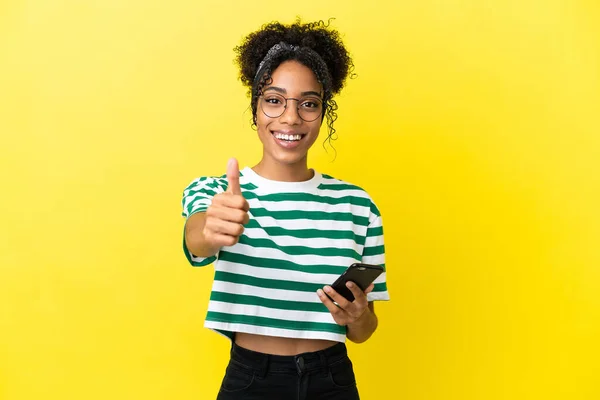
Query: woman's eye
x=310, y=104
x=273, y=100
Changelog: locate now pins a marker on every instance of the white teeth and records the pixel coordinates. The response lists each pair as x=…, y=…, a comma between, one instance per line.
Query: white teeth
x=288, y=137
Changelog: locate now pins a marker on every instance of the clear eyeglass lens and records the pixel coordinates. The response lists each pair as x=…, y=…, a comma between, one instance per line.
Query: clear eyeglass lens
x=274, y=106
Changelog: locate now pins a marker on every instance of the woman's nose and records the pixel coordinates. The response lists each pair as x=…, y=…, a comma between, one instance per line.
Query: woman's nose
x=290, y=115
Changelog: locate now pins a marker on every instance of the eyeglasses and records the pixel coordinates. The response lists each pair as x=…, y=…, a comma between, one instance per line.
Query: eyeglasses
x=274, y=105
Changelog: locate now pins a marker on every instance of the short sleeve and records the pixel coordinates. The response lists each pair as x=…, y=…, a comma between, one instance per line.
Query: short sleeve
x=197, y=197
x=374, y=253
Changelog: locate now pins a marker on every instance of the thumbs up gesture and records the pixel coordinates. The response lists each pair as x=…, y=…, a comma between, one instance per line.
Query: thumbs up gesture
x=228, y=213
x=233, y=177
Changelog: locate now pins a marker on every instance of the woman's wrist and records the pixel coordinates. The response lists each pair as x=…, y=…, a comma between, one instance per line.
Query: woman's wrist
x=362, y=329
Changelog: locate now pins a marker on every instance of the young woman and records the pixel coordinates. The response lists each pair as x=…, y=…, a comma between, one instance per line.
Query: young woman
x=280, y=233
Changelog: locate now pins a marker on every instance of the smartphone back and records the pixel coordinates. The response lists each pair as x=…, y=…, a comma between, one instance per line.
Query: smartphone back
x=361, y=274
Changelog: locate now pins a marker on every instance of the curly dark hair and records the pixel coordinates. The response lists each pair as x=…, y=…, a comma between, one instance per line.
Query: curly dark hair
x=314, y=40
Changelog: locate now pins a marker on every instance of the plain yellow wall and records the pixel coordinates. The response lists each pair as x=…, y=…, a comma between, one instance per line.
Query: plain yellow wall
x=474, y=124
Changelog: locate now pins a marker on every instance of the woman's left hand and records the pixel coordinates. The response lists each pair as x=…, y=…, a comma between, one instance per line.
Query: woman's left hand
x=346, y=312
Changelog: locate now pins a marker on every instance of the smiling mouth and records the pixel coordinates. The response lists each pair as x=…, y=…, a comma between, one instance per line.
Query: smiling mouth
x=288, y=137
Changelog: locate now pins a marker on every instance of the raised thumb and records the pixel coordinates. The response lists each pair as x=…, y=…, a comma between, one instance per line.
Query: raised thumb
x=233, y=177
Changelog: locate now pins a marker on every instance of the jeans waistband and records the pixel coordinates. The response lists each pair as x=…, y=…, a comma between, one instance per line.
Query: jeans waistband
x=301, y=363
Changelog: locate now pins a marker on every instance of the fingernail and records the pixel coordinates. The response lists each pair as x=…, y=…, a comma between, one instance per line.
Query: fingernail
x=350, y=284
x=327, y=289
x=320, y=292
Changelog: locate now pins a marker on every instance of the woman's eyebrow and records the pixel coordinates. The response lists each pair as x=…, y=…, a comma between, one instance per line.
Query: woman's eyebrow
x=276, y=89
x=311, y=92
x=283, y=91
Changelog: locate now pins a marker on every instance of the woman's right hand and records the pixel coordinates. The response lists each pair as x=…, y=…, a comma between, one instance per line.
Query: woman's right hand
x=228, y=213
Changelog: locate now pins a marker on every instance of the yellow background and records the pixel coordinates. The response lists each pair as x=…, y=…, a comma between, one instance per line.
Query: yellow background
x=474, y=124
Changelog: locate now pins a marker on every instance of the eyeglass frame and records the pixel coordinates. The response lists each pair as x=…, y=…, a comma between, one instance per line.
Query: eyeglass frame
x=262, y=95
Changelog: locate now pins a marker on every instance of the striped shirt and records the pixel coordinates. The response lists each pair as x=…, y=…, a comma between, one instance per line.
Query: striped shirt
x=300, y=237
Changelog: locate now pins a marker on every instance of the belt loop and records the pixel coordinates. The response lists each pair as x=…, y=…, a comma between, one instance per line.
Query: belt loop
x=300, y=364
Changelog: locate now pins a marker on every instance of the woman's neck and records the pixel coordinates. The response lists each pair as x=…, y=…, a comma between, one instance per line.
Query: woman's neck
x=276, y=171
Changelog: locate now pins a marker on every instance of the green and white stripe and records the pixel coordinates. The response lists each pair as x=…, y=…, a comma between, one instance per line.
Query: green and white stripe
x=301, y=236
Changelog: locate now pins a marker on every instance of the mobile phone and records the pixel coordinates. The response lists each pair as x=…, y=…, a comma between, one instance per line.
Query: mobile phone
x=361, y=274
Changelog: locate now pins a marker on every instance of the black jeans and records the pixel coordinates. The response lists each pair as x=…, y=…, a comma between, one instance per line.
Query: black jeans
x=325, y=374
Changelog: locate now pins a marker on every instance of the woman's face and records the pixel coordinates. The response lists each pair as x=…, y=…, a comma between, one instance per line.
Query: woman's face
x=286, y=138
